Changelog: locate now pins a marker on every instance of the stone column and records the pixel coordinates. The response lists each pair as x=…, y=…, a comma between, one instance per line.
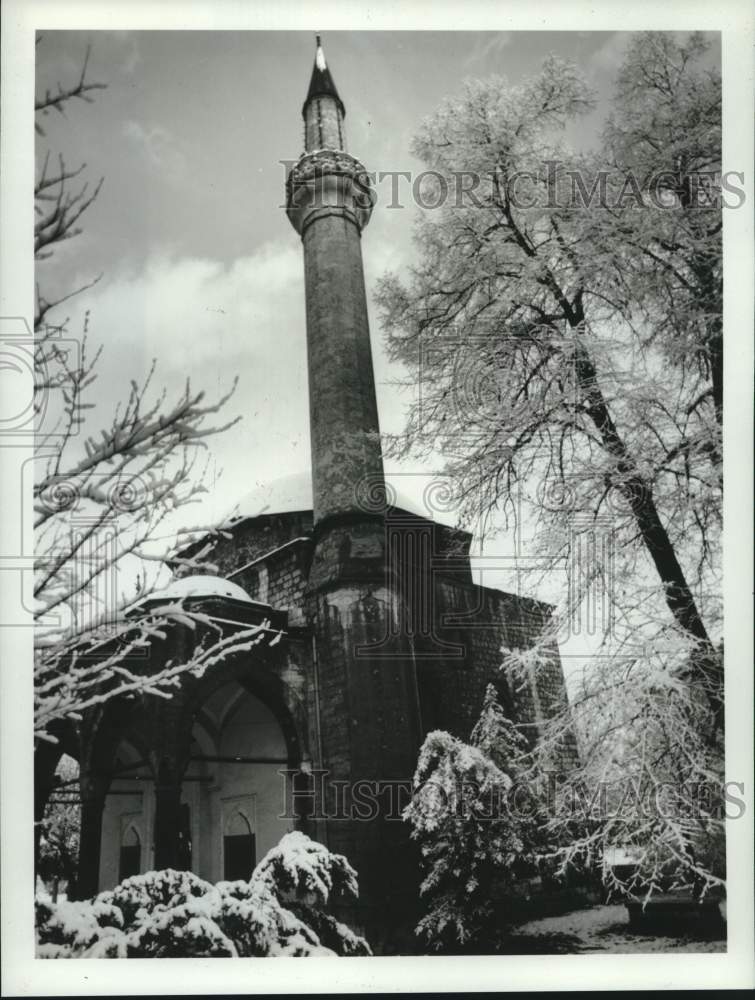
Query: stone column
x=93, y=794
x=167, y=824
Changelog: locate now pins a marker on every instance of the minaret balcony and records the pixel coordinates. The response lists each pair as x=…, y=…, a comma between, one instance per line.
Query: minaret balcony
x=327, y=182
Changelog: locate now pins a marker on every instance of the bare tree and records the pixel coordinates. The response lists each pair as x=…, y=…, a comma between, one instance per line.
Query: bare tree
x=105, y=492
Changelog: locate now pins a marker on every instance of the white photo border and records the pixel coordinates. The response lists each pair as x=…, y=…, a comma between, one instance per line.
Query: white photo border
x=22, y=974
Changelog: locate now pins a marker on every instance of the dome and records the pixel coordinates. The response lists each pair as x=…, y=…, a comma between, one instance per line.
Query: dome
x=294, y=493
x=281, y=496
x=200, y=586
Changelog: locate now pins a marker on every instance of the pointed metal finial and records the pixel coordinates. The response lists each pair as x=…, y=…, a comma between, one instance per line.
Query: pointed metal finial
x=320, y=56
x=321, y=84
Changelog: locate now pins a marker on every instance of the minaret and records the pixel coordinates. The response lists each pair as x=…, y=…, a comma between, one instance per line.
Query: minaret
x=329, y=202
x=367, y=714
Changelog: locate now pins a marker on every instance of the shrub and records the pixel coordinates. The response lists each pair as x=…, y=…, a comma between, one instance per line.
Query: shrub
x=281, y=910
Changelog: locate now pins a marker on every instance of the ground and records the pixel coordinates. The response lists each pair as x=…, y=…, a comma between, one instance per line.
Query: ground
x=601, y=928
x=587, y=931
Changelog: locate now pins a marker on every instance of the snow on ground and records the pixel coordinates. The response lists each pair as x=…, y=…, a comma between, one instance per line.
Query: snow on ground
x=601, y=928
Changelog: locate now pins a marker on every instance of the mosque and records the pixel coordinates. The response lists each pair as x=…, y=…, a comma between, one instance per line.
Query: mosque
x=379, y=632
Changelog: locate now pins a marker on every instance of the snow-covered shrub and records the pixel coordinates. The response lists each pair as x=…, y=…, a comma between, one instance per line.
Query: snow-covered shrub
x=165, y=890
x=301, y=870
x=304, y=877
x=171, y=914
x=474, y=833
x=86, y=929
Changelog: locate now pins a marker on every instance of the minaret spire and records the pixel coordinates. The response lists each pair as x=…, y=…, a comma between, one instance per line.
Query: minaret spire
x=323, y=110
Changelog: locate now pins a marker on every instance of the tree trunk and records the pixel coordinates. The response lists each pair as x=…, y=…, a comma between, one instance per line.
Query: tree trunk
x=87, y=882
x=639, y=495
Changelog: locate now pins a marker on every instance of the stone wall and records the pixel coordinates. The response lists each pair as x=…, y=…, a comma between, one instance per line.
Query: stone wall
x=456, y=657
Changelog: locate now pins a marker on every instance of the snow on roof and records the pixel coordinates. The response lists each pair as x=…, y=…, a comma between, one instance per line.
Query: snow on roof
x=622, y=855
x=279, y=496
x=201, y=585
x=294, y=493
x=404, y=501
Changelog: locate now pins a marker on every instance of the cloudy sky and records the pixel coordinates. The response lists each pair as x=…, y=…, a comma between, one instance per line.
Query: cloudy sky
x=200, y=267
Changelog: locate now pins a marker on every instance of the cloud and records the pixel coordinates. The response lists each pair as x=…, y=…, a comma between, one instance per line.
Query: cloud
x=209, y=323
x=158, y=145
x=489, y=48
x=126, y=51
x=609, y=56
x=132, y=57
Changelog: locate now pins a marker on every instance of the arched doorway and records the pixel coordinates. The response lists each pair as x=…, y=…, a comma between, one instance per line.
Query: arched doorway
x=130, y=854
x=239, y=848
x=127, y=816
x=233, y=787
x=228, y=804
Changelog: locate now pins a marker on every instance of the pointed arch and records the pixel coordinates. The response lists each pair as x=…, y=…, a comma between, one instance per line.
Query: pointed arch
x=130, y=855
x=239, y=839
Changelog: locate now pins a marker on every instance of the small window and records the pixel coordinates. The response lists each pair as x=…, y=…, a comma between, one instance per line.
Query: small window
x=131, y=855
x=239, y=851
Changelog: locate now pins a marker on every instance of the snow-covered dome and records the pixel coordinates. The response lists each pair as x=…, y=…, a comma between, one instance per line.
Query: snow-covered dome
x=280, y=496
x=294, y=493
x=201, y=586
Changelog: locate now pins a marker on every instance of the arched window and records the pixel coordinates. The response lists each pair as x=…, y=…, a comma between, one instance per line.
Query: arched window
x=239, y=853
x=131, y=854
